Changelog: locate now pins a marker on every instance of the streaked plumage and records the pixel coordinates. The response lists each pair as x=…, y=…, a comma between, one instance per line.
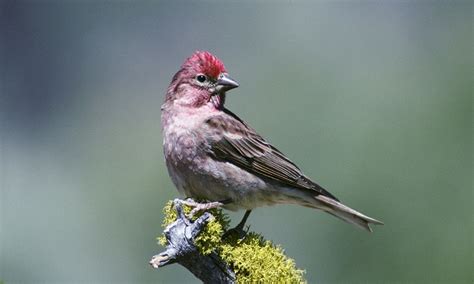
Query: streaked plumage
x=212, y=154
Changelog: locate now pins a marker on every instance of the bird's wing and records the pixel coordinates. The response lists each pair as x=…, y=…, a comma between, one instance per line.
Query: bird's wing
x=245, y=148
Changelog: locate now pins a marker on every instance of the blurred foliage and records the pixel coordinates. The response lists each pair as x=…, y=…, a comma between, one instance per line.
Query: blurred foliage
x=372, y=100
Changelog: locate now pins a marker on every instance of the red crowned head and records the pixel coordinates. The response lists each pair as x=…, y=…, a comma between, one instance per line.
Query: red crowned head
x=206, y=63
x=201, y=79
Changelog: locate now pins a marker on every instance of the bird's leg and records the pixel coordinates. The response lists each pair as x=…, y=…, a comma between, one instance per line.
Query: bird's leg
x=241, y=224
x=202, y=206
x=239, y=229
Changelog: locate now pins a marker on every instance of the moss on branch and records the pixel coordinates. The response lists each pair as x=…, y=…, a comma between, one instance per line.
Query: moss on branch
x=251, y=258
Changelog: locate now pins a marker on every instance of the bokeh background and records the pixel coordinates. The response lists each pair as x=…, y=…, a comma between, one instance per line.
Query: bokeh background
x=372, y=99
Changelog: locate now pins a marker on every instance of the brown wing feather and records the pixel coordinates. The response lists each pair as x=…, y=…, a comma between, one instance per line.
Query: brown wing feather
x=248, y=150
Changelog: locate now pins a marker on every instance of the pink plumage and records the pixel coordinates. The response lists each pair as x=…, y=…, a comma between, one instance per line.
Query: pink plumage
x=213, y=155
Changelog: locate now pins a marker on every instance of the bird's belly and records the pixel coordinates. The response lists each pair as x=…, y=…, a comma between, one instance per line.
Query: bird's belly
x=207, y=179
x=198, y=175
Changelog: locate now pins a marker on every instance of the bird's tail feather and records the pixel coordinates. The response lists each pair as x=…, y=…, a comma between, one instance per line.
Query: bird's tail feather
x=345, y=213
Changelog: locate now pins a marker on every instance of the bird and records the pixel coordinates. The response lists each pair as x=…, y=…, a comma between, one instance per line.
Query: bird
x=213, y=155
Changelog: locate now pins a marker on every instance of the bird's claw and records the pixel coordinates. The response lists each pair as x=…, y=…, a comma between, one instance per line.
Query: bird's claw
x=199, y=206
x=239, y=231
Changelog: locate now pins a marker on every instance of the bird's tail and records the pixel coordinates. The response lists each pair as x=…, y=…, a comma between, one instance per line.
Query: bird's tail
x=345, y=213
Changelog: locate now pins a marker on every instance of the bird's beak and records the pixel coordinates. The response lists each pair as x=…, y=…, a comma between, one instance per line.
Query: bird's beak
x=225, y=83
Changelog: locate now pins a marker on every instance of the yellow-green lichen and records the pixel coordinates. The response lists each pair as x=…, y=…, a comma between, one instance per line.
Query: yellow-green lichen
x=253, y=259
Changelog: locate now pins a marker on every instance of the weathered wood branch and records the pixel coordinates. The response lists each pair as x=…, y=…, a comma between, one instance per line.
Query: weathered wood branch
x=181, y=249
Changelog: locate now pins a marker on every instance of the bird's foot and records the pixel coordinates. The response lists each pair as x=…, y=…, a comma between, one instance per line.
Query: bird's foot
x=240, y=231
x=200, y=206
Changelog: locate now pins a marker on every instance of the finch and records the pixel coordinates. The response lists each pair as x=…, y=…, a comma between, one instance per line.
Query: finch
x=212, y=154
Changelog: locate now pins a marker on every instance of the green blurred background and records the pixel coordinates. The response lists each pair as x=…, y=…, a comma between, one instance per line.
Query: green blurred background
x=373, y=100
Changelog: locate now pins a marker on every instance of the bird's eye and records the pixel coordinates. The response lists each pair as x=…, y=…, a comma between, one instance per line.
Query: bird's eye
x=201, y=78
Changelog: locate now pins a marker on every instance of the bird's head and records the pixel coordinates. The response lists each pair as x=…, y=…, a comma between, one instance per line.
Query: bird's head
x=201, y=80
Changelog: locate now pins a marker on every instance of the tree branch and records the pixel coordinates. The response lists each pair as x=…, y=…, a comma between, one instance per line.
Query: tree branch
x=181, y=249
